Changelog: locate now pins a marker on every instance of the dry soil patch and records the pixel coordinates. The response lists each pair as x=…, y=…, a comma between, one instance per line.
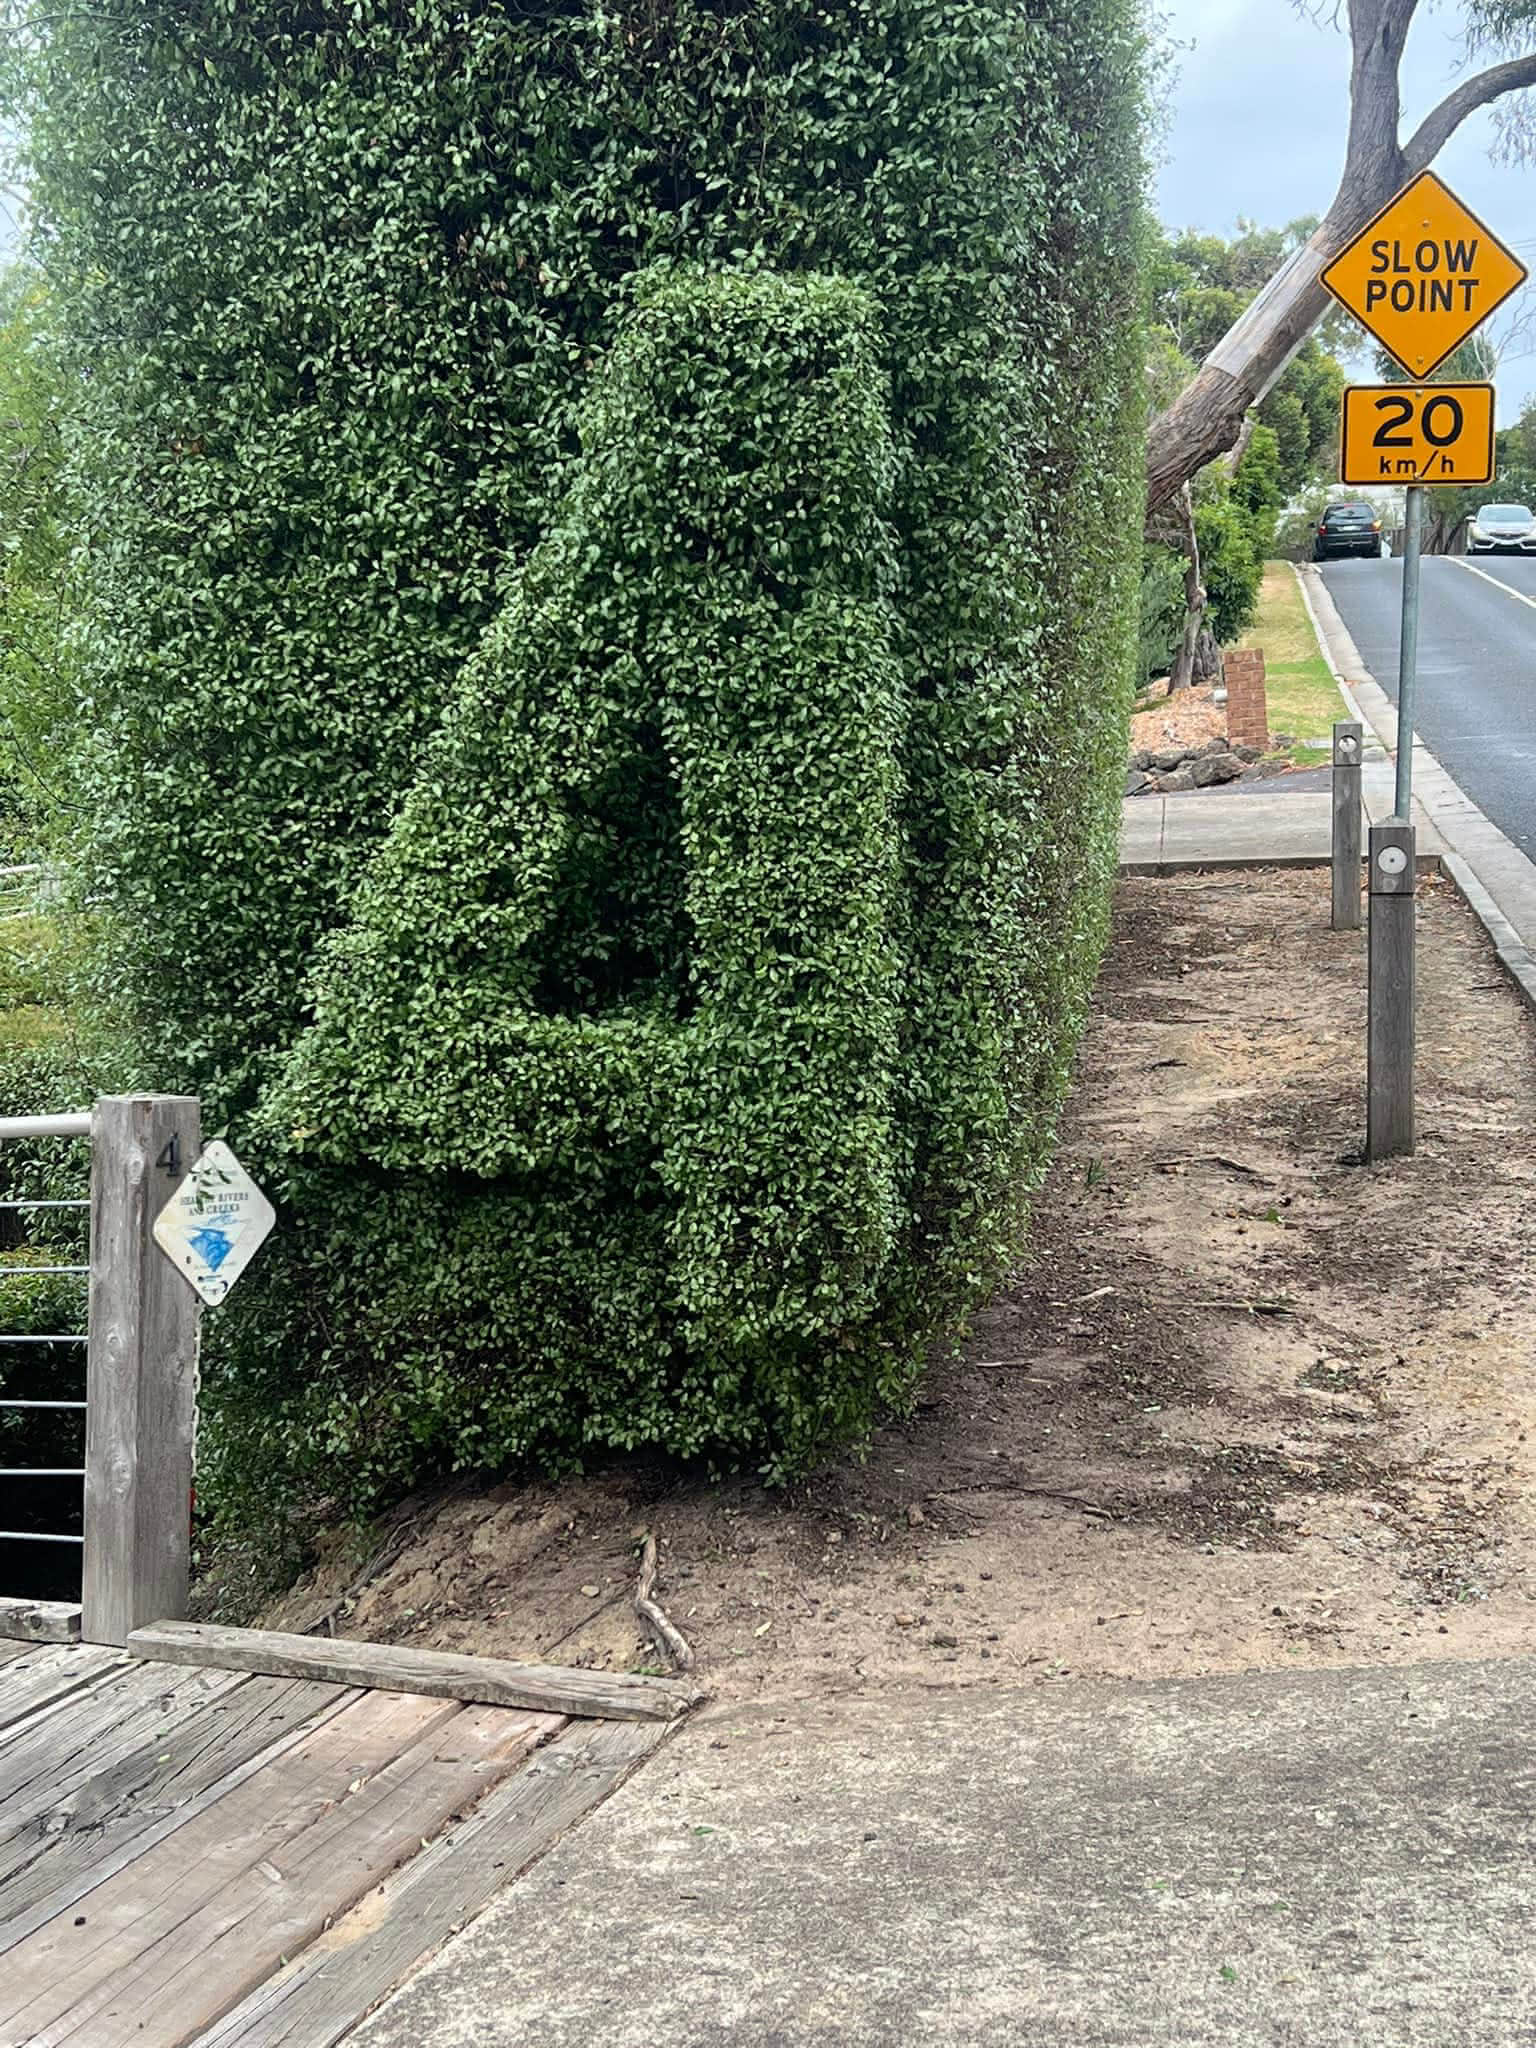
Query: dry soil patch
x=1185, y=718
x=1247, y=1404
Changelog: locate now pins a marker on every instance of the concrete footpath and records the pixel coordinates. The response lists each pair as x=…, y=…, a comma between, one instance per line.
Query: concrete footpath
x=1322, y=1858
x=1213, y=829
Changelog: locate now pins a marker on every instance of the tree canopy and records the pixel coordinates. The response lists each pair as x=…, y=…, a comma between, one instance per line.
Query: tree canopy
x=1250, y=356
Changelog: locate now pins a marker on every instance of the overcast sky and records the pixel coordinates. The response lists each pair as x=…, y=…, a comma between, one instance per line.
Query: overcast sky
x=1258, y=132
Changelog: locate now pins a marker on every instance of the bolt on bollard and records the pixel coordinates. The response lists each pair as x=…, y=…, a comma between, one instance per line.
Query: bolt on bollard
x=1348, y=750
x=1390, y=993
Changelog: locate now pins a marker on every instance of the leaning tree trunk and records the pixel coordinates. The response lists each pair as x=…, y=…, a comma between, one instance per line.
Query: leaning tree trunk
x=1207, y=417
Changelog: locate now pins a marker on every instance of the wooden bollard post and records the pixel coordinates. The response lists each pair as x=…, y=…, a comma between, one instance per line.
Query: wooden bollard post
x=141, y=1372
x=1348, y=749
x=1390, y=995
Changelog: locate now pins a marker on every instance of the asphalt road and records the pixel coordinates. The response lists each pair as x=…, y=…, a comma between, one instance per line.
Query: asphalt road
x=1476, y=704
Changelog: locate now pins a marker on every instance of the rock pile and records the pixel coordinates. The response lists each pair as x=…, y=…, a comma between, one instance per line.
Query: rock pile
x=1166, y=770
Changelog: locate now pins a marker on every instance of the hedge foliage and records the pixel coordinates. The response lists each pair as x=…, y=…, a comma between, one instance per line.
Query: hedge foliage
x=615, y=544
x=36, y=686
x=626, y=952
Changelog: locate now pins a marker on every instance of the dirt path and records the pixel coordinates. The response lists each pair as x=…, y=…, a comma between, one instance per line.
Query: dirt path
x=1248, y=1405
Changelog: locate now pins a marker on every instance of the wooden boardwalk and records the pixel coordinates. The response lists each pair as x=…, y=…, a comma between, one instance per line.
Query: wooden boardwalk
x=237, y=1860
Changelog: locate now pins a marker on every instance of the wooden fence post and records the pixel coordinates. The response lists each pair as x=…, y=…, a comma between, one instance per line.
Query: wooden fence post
x=141, y=1371
x=1390, y=992
x=1348, y=752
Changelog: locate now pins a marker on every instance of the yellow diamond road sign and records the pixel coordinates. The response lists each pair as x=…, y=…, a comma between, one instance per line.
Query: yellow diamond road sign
x=1423, y=275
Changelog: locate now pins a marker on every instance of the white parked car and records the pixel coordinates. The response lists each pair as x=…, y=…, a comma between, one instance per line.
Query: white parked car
x=1502, y=529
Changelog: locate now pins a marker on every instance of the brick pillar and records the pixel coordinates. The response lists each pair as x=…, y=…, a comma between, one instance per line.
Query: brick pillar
x=1247, y=705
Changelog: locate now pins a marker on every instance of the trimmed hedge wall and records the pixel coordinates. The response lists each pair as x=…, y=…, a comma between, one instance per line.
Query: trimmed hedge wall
x=625, y=954
x=615, y=551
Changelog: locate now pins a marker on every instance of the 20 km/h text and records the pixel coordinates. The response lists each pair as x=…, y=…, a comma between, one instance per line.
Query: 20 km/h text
x=1417, y=434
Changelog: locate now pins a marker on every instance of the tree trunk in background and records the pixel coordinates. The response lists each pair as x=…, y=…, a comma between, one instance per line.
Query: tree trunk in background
x=1182, y=673
x=1233, y=459
x=1208, y=665
x=1207, y=417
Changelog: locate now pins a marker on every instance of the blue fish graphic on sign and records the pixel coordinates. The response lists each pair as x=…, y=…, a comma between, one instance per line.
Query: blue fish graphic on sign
x=212, y=1246
x=214, y=1223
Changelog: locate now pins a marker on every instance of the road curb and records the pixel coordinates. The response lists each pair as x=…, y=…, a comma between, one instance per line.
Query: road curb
x=1444, y=804
x=1215, y=864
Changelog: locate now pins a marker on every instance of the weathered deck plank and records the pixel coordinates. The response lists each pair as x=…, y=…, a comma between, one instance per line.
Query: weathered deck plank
x=45, y=1675
x=180, y=1937
x=87, y=1733
x=396, y=1667
x=129, y=1790
x=348, y=1968
x=183, y=1851
x=65, y=1966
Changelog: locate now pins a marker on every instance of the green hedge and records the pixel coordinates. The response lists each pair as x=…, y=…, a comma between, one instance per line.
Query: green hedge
x=36, y=687
x=352, y=283
x=626, y=953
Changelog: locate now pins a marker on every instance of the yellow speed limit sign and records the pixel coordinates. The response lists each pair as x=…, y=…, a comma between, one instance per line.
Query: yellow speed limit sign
x=1417, y=434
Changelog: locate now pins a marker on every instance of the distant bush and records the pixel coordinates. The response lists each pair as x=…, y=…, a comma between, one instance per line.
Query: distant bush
x=1235, y=517
x=1231, y=566
x=1296, y=528
x=1161, y=611
x=38, y=711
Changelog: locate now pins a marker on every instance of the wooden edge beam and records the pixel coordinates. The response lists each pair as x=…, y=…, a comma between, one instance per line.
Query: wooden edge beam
x=39, y=1621
x=316, y=1999
x=395, y=1667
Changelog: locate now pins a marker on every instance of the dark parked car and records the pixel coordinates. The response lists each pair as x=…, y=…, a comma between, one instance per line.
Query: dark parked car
x=1347, y=529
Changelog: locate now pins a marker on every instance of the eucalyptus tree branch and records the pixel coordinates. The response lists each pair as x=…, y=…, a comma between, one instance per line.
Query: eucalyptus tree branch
x=1206, y=418
x=1437, y=128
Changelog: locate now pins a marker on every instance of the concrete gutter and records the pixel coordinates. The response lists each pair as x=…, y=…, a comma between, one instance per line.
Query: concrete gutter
x=1489, y=872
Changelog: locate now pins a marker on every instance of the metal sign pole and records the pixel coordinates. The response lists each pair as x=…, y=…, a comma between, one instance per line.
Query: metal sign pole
x=1408, y=650
x=1391, y=978
x=1396, y=278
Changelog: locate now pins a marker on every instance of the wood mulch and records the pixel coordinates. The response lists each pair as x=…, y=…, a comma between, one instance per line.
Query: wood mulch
x=1186, y=720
